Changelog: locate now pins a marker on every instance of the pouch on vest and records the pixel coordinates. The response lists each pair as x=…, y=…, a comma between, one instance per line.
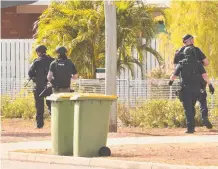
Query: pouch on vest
x=62, y=75
x=190, y=72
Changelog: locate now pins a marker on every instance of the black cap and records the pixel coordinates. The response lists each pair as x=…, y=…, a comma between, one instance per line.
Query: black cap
x=61, y=50
x=185, y=37
x=41, y=49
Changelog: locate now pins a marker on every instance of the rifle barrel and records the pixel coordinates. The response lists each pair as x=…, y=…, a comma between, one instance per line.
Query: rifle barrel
x=27, y=82
x=43, y=92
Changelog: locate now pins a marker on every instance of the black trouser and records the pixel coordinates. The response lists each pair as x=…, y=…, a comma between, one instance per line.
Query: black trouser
x=203, y=105
x=39, y=104
x=189, y=98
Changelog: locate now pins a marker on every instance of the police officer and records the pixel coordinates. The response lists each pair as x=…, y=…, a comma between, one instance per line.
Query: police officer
x=61, y=71
x=191, y=72
x=188, y=40
x=38, y=71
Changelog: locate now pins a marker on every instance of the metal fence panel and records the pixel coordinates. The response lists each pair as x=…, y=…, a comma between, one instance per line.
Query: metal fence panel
x=130, y=92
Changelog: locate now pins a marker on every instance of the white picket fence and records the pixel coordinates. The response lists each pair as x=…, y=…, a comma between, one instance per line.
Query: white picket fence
x=15, y=55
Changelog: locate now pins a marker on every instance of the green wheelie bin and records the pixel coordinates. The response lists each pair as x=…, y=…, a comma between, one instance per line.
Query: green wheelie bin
x=62, y=123
x=91, y=124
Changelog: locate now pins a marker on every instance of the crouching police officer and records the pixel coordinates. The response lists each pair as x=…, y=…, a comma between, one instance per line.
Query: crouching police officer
x=191, y=72
x=61, y=71
x=188, y=40
x=38, y=71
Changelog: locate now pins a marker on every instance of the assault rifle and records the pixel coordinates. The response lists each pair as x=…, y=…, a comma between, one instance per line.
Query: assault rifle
x=47, y=91
x=31, y=78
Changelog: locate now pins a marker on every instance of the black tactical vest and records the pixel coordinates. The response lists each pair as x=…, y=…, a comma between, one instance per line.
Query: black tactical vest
x=190, y=75
x=63, y=73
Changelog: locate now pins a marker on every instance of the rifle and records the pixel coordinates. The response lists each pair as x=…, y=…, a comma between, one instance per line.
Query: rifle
x=46, y=92
x=31, y=78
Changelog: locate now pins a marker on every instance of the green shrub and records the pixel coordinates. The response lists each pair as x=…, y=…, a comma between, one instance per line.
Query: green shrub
x=22, y=106
x=175, y=114
x=123, y=114
x=213, y=116
x=156, y=113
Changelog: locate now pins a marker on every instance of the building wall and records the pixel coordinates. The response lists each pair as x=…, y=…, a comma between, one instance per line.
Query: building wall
x=17, y=25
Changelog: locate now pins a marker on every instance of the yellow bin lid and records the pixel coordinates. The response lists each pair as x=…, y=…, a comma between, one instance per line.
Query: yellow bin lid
x=80, y=96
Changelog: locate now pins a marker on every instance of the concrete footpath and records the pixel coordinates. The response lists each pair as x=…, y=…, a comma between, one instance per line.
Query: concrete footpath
x=7, y=154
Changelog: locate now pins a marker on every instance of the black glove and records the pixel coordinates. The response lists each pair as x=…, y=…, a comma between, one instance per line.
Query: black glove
x=170, y=83
x=211, y=88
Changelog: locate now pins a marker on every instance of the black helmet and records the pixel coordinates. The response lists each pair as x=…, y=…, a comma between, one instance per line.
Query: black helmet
x=61, y=50
x=41, y=49
x=185, y=37
x=189, y=53
x=188, y=50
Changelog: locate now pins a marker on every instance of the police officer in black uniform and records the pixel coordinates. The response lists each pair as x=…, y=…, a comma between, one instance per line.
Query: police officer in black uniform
x=191, y=73
x=188, y=40
x=38, y=71
x=61, y=71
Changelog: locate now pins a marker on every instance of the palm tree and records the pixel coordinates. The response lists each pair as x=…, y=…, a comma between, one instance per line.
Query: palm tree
x=135, y=25
x=79, y=25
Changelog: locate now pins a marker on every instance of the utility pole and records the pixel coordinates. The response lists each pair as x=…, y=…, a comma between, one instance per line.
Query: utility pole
x=111, y=58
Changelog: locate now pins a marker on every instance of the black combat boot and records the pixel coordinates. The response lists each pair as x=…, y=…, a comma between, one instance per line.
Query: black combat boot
x=207, y=123
x=190, y=131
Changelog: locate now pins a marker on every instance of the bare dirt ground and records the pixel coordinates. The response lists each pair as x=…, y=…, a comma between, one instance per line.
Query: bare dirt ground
x=200, y=154
x=17, y=130
x=184, y=154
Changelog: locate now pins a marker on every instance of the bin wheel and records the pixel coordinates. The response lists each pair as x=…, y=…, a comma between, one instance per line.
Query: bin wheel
x=104, y=151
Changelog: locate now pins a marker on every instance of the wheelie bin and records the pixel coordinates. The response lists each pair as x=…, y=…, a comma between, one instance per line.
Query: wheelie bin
x=91, y=124
x=80, y=124
x=62, y=123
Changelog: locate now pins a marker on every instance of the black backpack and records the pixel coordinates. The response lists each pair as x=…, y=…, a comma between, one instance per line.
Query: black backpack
x=63, y=73
x=190, y=76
